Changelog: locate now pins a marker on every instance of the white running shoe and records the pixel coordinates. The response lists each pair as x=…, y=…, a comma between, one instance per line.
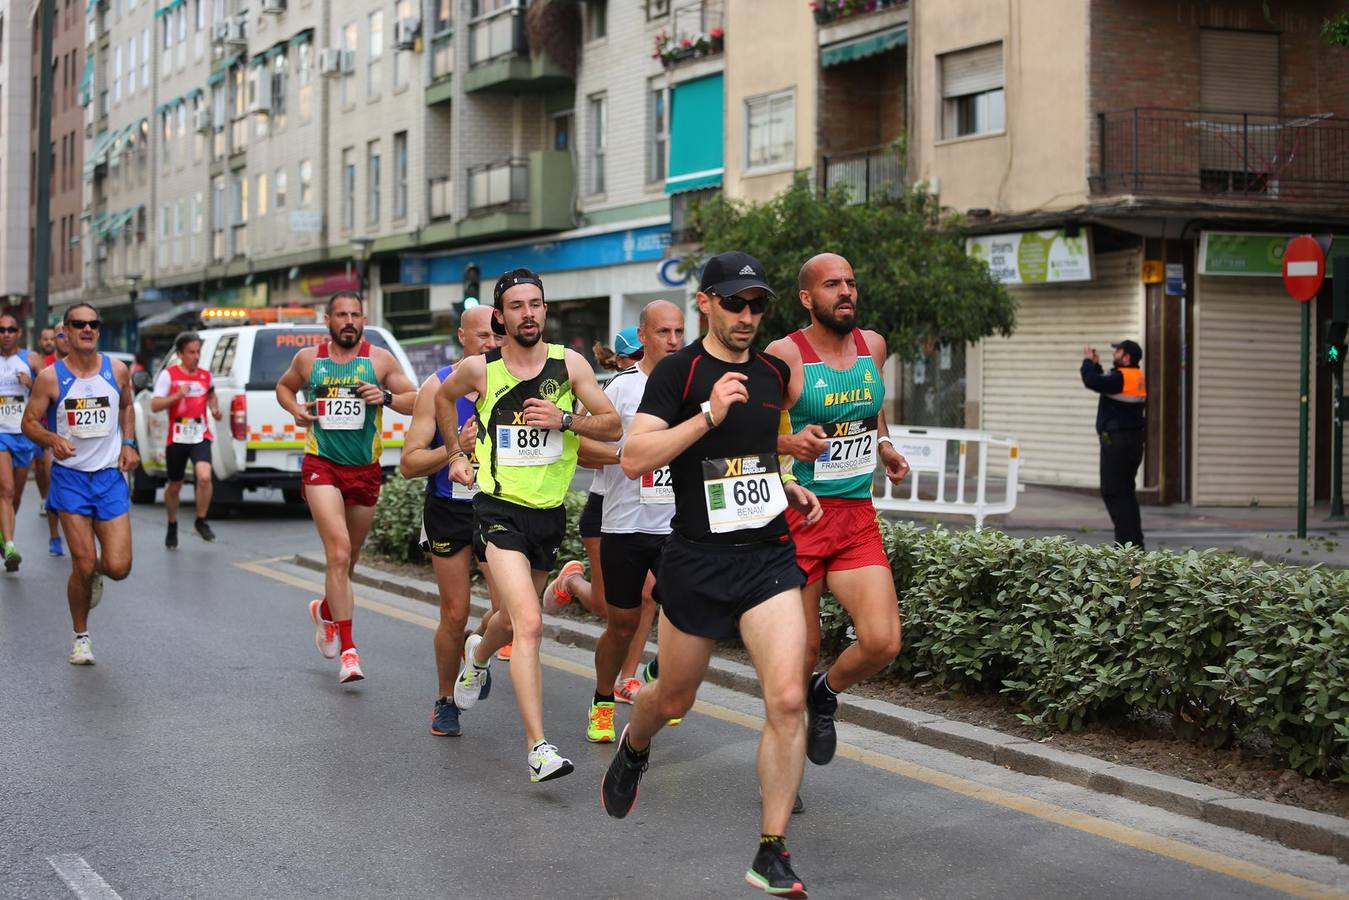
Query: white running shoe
x=325, y=633
x=82, y=653
x=96, y=592
x=545, y=763
x=351, y=668
x=469, y=685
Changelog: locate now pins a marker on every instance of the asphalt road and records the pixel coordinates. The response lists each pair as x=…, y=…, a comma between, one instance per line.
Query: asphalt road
x=211, y=753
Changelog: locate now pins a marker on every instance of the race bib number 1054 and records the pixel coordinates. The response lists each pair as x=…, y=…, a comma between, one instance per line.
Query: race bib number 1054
x=11, y=410
x=742, y=492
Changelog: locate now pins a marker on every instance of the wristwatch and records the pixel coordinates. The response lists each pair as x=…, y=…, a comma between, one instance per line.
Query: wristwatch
x=388, y=397
x=566, y=421
x=131, y=442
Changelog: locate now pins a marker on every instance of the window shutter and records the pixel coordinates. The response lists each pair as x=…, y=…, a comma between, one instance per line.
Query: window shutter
x=1239, y=71
x=972, y=71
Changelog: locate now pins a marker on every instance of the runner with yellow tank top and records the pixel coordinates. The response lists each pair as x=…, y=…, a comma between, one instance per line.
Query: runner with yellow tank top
x=836, y=433
x=347, y=383
x=526, y=452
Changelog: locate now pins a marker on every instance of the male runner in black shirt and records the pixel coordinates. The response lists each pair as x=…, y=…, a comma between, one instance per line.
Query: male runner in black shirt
x=711, y=412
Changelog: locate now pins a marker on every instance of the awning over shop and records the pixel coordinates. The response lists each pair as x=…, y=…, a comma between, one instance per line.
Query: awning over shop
x=695, y=135
x=165, y=10
x=864, y=46
x=304, y=37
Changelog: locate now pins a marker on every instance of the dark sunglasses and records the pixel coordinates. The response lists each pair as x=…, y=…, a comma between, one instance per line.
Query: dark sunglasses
x=736, y=305
x=81, y=324
x=8, y=329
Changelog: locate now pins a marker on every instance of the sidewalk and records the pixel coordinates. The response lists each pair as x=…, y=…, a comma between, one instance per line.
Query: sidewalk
x=1260, y=532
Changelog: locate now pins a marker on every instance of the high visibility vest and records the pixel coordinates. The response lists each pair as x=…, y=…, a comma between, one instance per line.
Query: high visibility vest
x=1135, y=389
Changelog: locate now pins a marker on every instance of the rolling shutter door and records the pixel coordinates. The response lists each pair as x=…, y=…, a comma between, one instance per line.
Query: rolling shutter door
x=1245, y=393
x=1031, y=386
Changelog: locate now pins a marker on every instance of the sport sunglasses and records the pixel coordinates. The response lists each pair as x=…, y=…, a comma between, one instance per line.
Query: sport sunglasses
x=82, y=324
x=736, y=305
x=9, y=329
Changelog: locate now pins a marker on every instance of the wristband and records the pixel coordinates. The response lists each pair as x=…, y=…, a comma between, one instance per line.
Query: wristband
x=456, y=454
x=131, y=442
x=707, y=414
x=788, y=477
x=885, y=439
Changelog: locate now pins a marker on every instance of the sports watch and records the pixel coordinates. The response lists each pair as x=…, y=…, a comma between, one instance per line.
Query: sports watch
x=566, y=421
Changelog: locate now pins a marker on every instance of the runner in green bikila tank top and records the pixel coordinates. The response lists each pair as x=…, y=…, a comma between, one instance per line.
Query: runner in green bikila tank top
x=836, y=432
x=526, y=454
x=346, y=382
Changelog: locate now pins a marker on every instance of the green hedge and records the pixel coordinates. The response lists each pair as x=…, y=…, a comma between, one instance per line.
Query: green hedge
x=1229, y=647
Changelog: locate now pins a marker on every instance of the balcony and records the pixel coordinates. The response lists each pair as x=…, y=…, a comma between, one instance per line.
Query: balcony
x=440, y=197
x=697, y=30
x=1226, y=157
x=869, y=176
x=520, y=196
x=440, y=90
x=499, y=57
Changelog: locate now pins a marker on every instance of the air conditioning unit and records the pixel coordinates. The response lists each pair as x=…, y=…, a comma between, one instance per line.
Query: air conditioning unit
x=348, y=62
x=236, y=32
x=220, y=31
x=262, y=97
x=330, y=62
x=405, y=32
x=274, y=7
x=201, y=120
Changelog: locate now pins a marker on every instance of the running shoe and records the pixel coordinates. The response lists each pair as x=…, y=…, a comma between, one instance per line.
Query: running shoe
x=821, y=738
x=351, y=667
x=325, y=632
x=555, y=595
x=626, y=691
x=54, y=547
x=96, y=592
x=204, y=529
x=171, y=536
x=618, y=790
x=600, y=730
x=504, y=654
x=545, y=764
x=445, y=719
x=473, y=681
x=82, y=653
x=12, y=557
x=772, y=872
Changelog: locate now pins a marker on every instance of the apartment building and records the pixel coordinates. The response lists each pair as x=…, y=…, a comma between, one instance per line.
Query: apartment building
x=1134, y=169
x=16, y=68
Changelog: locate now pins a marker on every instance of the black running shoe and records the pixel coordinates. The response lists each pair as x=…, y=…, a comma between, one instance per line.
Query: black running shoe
x=618, y=790
x=772, y=872
x=821, y=739
x=798, y=807
x=204, y=529
x=171, y=536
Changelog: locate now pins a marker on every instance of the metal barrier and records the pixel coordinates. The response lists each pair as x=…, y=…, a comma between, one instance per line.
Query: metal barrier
x=926, y=449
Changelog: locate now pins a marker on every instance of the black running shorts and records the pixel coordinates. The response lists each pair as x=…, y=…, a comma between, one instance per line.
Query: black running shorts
x=625, y=560
x=537, y=533
x=592, y=514
x=704, y=589
x=176, y=457
x=447, y=525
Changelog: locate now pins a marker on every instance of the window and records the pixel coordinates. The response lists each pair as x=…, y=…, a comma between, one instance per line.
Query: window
x=375, y=56
x=166, y=130
x=442, y=21
x=972, y=91
x=348, y=42
x=770, y=129
x=599, y=128
x=116, y=74
x=348, y=188
x=279, y=185
x=401, y=10
x=181, y=113
x=262, y=194
x=199, y=14
x=408, y=313
x=655, y=167
x=372, y=183
x=304, y=72
x=279, y=79
x=306, y=184
x=596, y=19
x=400, y=175
x=241, y=210
x=145, y=56
x=131, y=67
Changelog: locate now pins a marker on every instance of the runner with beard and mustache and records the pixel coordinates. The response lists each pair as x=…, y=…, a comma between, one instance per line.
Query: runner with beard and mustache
x=526, y=452
x=347, y=383
x=837, y=433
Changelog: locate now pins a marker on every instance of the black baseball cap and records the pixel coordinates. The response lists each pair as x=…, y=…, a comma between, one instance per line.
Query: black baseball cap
x=727, y=274
x=507, y=281
x=1131, y=347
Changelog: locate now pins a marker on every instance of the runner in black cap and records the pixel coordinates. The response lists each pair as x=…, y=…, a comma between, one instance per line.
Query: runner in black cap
x=710, y=412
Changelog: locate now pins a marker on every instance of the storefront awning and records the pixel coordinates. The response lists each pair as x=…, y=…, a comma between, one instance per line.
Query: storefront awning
x=304, y=37
x=864, y=46
x=165, y=10
x=696, y=123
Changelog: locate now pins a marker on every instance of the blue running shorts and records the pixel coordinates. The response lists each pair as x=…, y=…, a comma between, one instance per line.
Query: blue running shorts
x=100, y=495
x=20, y=449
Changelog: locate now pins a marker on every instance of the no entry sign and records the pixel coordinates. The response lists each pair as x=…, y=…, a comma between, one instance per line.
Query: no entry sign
x=1304, y=268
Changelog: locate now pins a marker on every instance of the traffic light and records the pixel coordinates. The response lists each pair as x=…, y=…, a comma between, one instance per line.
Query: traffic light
x=1333, y=351
x=471, y=285
x=1337, y=329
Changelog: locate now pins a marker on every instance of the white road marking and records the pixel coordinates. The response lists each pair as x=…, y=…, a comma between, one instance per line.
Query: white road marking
x=81, y=878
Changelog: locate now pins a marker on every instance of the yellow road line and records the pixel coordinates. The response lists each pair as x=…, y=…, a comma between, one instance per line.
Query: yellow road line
x=1241, y=870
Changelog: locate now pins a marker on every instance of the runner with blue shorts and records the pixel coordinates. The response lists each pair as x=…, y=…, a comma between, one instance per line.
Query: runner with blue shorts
x=18, y=368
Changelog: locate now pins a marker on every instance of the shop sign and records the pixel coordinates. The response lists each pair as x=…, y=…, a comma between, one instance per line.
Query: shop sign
x=1033, y=257
x=246, y=295
x=1239, y=253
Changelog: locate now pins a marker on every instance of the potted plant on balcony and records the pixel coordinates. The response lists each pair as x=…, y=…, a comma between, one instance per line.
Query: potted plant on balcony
x=716, y=39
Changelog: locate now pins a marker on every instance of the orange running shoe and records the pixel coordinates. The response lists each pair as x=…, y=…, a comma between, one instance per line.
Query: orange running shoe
x=504, y=654
x=555, y=595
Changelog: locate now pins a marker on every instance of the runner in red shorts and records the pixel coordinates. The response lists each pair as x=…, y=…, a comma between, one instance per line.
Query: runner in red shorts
x=837, y=434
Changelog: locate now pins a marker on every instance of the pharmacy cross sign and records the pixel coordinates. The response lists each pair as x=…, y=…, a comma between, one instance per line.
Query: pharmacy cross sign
x=1304, y=268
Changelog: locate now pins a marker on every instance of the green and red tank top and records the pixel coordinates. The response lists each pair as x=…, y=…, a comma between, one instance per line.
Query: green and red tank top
x=846, y=402
x=348, y=431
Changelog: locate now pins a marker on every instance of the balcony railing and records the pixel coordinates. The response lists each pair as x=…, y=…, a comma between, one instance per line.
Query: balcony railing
x=498, y=33
x=442, y=56
x=440, y=197
x=499, y=184
x=868, y=175
x=1219, y=155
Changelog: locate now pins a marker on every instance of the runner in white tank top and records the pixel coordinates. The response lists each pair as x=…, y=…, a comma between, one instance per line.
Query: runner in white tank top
x=18, y=368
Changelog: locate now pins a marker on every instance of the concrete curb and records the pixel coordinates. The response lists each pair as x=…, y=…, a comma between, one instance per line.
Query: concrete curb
x=1293, y=827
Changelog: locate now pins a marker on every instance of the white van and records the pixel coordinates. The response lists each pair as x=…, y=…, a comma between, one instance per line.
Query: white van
x=257, y=444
